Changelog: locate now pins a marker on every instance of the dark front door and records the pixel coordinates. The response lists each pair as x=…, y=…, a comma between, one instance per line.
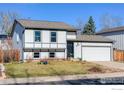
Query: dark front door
x=70, y=49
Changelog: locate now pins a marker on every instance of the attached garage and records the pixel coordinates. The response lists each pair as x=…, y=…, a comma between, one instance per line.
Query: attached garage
x=96, y=53
x=93, y=48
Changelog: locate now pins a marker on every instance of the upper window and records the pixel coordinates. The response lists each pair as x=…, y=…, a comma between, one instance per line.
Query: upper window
x=17, y=38
x=53, y=36
x=37, y=36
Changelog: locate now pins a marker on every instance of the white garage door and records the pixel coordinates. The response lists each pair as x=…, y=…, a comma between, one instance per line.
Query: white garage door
x=96, y=53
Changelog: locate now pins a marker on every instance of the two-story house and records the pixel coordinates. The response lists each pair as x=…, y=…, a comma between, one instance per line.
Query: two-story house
x=37, y=39
x=42, y=39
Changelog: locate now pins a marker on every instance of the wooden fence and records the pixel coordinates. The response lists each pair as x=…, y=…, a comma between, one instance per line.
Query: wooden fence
x=119, y=55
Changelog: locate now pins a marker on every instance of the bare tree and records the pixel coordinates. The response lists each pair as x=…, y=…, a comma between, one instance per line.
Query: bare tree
x=79, y=26
x=6, y=21
x=109, y=21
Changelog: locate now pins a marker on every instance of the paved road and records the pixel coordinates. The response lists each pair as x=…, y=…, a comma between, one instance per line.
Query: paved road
x=95, y=79
x=104, y=81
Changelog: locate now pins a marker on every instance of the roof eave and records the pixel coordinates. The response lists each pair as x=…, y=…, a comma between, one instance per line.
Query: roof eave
x=72, y=30
x=91, y=41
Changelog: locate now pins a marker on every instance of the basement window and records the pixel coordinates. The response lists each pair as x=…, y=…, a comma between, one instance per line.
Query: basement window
x=52, y=54
x=36, y=54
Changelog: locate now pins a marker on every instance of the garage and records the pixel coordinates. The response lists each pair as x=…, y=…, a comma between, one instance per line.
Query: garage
x=96, y=53
x=93, y=48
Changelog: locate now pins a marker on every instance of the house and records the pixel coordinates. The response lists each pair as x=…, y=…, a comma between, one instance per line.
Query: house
x=116, y=34
x=3, y=37
x=37, y=39
x=3, y=43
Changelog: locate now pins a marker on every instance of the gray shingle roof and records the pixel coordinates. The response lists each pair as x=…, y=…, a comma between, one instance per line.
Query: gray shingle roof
x=92, y=38
x=115, y=29
x=39, y=24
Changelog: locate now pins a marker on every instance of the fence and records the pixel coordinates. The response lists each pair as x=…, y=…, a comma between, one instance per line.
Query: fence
x=119, y=55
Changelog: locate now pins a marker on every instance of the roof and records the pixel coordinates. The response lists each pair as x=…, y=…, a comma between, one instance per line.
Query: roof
x=41, y=24
x=92, y=38
x=109, y=30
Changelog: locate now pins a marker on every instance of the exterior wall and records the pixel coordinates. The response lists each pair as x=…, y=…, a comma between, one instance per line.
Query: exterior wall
x=17, y=39
x=43, y=55
x=45, y=39
x=78, y=48
x=96, y=44
x=118, y=37
x=60, y=55
x=71, y=35
x=45, y=43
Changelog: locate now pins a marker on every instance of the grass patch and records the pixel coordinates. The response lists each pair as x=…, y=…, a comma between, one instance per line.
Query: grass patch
x=33, y=69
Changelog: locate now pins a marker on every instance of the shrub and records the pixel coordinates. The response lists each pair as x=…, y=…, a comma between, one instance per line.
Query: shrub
x=6, y=56
x=1, y=56
x=17, y=55
x=11, y=55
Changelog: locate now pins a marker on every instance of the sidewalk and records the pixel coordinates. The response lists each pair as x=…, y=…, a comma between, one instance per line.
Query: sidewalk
x=39, y=80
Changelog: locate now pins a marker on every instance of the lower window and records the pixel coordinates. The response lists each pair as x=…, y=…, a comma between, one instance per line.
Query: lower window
x=52, y=54
x=36, y=54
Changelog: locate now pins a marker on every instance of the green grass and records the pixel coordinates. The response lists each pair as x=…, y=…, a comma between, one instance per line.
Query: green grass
x=52, y=68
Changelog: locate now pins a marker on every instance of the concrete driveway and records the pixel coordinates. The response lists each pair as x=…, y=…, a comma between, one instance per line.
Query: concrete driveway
x=115, y=65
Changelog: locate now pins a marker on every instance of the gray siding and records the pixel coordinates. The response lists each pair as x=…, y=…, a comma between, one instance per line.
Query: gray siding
x=118, y=38
x=18, y=45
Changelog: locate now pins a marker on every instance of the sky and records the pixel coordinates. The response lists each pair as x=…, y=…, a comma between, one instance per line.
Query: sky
x=68, y=13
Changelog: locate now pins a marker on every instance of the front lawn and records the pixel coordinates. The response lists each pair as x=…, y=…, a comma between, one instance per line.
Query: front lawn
x=33, y=69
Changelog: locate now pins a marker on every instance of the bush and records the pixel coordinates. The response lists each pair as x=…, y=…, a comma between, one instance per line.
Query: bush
x=11, y=55
x=6, y=56
x=1, y=56
x=17, y=55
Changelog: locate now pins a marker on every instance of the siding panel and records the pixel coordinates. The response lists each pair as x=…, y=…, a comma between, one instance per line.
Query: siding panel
x=118, y=37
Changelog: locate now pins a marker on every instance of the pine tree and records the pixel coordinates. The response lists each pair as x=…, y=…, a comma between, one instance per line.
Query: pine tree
x=89, y=28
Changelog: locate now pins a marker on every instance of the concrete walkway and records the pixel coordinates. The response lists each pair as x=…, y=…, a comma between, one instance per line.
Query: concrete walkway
x=62, y=79
x=115, y=65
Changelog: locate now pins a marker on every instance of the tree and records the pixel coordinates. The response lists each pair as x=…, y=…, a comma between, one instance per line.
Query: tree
x=79, y=26
x=6, y=21
x=89, y=27
x=109, y=21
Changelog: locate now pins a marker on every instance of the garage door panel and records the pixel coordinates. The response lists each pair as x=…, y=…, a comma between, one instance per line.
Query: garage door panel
x=96, y=53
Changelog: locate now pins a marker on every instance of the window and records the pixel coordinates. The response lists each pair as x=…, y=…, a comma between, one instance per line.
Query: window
x=36, y=55
x=37, y=36
x=17, y=38
x=53, y=36
x=51, y=54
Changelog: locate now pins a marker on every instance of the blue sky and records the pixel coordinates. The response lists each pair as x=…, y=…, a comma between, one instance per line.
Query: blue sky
x=68, y=13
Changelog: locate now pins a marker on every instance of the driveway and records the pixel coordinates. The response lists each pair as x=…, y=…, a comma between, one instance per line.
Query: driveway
x=115, y=65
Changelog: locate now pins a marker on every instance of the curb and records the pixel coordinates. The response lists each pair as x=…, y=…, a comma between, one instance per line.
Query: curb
x=33, y=80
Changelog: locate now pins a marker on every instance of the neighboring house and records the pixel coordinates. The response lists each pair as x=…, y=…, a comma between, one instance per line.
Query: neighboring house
x=3, y=43
x=116, y=34
x=48, y=39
